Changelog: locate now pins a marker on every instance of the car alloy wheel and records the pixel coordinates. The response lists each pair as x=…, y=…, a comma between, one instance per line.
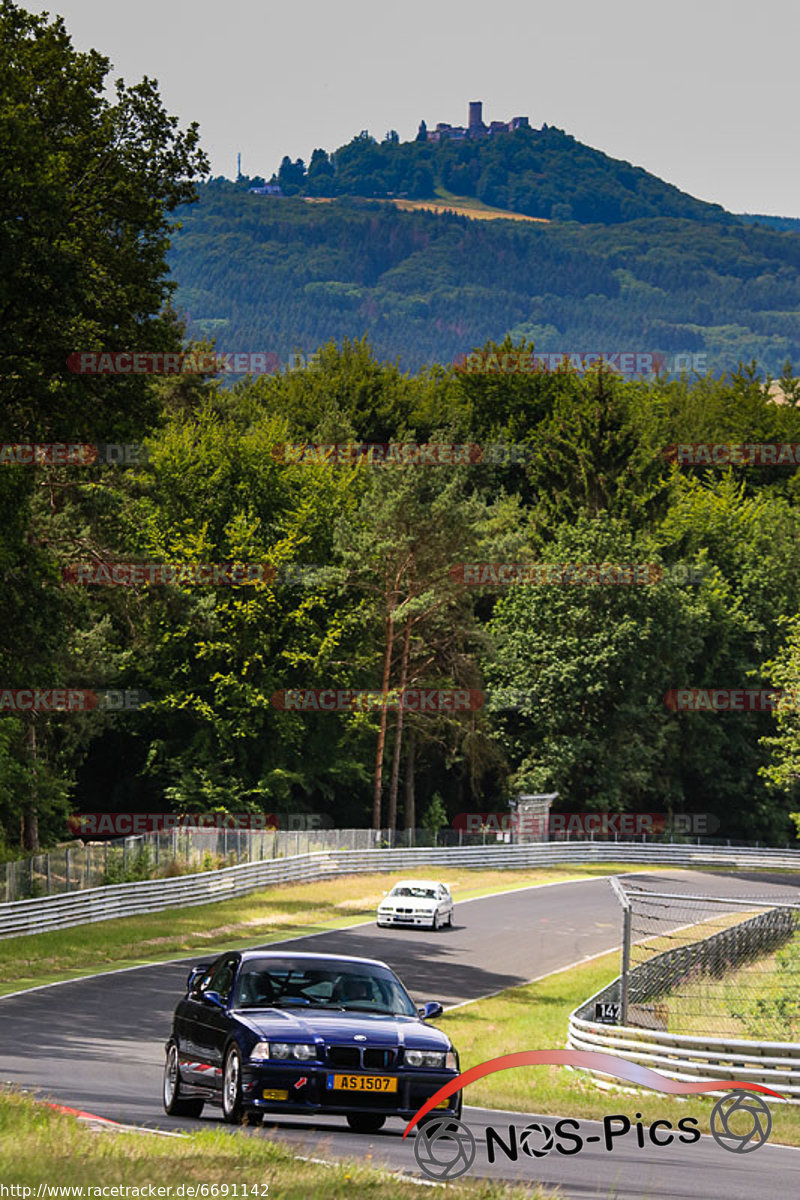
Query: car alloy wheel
x=365, y=1122
x=436, y=919
x=174, y=1103
x=232, y=1110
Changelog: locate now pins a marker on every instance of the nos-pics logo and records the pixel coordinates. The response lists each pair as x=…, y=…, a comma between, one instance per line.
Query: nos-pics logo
x=445, y=1147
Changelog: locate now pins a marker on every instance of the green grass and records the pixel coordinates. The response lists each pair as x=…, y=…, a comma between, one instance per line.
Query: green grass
x=759, y=1000
x=289, y=910
x=534, y=1017
x=38, y=1145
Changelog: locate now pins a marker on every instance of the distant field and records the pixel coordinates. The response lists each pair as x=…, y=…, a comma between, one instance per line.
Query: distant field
x=465, y=209
x=462, y=205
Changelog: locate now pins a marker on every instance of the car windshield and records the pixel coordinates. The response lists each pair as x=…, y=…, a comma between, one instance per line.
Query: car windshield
x=280, y=983
x=418, y=893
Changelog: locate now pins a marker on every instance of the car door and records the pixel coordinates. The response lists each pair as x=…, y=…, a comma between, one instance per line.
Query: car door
x=212, y=1024
x=445, y=902
x=189, y=1016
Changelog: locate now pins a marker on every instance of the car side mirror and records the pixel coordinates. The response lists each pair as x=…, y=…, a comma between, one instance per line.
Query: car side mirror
x=215, y=999
x=431, y=1009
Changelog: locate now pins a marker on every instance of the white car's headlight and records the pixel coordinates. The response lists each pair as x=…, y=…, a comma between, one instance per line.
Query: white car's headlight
x=426, y=1058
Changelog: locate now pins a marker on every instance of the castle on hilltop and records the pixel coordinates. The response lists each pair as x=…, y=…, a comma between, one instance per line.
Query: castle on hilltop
x=475, y=127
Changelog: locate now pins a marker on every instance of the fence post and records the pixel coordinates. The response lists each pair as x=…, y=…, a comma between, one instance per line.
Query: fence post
x=88, y=865
x=626, y=948
x=47, y=871
x=66, y=858
x=626, y=964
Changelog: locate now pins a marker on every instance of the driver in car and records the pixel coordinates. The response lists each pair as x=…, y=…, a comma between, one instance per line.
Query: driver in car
x=351, y=988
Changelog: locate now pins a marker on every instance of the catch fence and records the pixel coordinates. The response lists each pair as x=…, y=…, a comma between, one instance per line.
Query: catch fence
x=709, y=989
x=711, y=965
x=79, y=865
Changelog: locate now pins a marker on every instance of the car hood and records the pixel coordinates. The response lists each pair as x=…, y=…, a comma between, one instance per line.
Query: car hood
x=284, y=1025
x=407, y=902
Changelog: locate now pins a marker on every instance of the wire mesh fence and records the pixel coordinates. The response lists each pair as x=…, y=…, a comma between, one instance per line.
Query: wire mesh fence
x=703, y=965
x=77, y=865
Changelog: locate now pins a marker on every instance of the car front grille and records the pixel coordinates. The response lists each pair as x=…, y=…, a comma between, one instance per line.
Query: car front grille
x=361, y=1056
x=344, y=1056
x=379, y=1058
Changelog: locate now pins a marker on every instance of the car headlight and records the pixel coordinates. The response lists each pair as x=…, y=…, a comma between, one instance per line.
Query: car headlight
x=259, y=1052
x=284, y=1050
x=425, y=1058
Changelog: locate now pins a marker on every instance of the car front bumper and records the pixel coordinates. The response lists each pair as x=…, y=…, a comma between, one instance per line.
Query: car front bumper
x=423, y=919
x=307, y=1091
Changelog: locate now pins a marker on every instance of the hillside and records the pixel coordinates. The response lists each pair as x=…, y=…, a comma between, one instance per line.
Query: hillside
x=537, y=172
x=260, y=272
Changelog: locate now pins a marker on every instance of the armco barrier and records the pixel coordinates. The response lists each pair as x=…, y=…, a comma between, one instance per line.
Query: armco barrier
x=154, y=895
x=694, y=1056
x=686, y=1057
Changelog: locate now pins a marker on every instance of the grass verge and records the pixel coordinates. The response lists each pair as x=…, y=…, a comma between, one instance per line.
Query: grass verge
x=40, y=1146
x=534, y=1017
x=759, y=1000
x=288, y=910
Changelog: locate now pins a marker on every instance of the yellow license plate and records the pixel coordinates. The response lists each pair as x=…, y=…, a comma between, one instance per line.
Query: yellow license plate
x=274, y=1094
x=363, y=1083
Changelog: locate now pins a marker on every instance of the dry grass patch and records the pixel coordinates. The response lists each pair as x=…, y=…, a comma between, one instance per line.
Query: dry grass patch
x=255, y=919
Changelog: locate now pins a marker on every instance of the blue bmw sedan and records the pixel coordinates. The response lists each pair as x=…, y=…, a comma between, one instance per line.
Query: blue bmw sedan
x=269, y=1032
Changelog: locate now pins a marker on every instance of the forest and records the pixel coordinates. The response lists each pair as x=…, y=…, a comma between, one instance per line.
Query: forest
x=211, y=568
x=287, y=274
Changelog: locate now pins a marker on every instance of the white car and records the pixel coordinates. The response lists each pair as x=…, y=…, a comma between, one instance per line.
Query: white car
x=417, y=902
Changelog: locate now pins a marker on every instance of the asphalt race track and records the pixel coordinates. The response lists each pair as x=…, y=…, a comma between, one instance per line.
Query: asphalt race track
x=97, y=1043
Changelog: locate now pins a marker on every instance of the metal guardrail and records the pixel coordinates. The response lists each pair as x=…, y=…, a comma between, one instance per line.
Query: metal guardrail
x=693, y=1056
x=687, y=1057
x=154, y=895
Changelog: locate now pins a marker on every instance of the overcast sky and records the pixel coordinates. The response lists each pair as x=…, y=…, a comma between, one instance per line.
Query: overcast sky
x=702, y=93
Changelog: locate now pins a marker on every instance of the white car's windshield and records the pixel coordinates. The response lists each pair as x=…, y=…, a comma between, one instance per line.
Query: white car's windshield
x=417, y=893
